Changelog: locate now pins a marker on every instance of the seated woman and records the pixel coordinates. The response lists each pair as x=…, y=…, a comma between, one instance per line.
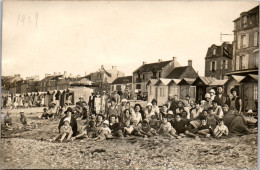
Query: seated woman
x=73, y=121
x=235, y=122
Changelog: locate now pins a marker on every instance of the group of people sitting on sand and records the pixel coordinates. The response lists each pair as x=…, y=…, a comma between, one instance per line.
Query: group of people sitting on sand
x=218, y=116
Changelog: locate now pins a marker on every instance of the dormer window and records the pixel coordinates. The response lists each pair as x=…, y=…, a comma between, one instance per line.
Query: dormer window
x=214, y=51
x=244, y=21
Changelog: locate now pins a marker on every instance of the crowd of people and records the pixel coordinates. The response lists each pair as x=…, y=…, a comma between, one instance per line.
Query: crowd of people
x=218, y=116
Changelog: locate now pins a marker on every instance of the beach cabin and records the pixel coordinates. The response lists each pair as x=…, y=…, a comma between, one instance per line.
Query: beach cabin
x=202, y=86
x=162, y=91
x=250, y=92
x=186, y=88
x=174, y=88
x=216, y=83
x=233, y=82
x=152, y=89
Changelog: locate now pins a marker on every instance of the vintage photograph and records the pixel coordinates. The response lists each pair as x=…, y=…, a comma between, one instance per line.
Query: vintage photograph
x=129, y=84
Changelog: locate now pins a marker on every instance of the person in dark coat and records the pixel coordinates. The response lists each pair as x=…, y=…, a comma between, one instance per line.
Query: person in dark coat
x=73, y=121
x=221, y=98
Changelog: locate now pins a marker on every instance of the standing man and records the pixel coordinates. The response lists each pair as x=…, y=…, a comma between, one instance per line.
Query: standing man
x=104, y=99
x=221, y=98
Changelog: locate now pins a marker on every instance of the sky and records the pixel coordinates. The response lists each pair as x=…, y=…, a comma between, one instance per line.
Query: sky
x=41, y=37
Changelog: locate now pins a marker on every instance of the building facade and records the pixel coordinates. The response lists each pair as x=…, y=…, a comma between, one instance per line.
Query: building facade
x=246, y=43
x=122, y=84
x=144, y=73
x=218, y=61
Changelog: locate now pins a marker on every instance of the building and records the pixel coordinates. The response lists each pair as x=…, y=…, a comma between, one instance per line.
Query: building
x=11, y=84
x=145, y=72
x=122, y=84
x=183, y=72
x=218, y=61
x=30, y=85
x=103, y=78
x=246, y=43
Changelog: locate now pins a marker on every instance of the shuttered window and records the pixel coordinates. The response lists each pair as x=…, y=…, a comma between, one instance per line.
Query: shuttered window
x=237, y=63
x=226, y=64
x=238, y=42
x=255, y=38
x=255, y=92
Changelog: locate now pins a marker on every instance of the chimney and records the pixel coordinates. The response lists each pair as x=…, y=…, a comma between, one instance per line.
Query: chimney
x=190, y=63
x=144, y=62
x=160, y=60
x=86, y=73
x=36, y=77
x=55, y=73
x=173, y=58
x=113, y=67
x=59, y=73
x=65, y=74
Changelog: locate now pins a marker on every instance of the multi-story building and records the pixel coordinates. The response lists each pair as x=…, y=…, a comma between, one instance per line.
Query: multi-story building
x=161, y=69
x=246, y=43
x=103, y=78
x=122, y=84
x=218, y=61
x=245, y=56
x=11, y=84
x=30, y=85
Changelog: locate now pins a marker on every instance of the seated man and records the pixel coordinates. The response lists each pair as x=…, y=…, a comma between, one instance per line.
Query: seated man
x=115, y=127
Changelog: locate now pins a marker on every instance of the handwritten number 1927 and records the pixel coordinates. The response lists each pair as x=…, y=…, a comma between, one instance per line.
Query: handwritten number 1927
x=27, y=20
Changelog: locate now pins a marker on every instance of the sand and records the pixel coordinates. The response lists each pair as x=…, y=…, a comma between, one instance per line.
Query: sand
x=29, y=148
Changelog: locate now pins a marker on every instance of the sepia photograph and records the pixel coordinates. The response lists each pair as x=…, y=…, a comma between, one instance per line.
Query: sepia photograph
x=112, y=84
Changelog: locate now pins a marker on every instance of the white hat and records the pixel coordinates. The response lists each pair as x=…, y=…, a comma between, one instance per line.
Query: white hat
x=202, y=101
x=207, y=95
x=21, y=111
x=66, y=119
x=106, y=122
x=212, y=91
x=81, y=97
x=149, y=104
x=170, y=112
x=123, y=100
x=250, y=111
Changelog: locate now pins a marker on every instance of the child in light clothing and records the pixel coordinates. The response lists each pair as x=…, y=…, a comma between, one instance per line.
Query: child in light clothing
x=166, y=128
x=65, y=130
x=220, y=129
x=128, y=129
x=105, y=132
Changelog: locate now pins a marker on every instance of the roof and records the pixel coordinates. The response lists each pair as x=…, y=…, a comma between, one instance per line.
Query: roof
x=164, y=81
x=254, y=76
x=152, y=67
x=122, y=80
x=250, y=11
x=152, y=81
x=177, y=72
x=186, y=81
x=176, y=81
x=248, y=77
x=238, y=78
x=218, y=82
x=205, y=80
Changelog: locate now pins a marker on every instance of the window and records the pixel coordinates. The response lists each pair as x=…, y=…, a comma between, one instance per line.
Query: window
x=255, y=59
x=244, y=41
x=244, y=62
x=213, y=66
x=159, y=74
x=255, y=92
x=214, y=51
x=256, y=34
x=224, y=64
x=138, y=86
x=118, y=87
x=244, y=21
x=143, y=76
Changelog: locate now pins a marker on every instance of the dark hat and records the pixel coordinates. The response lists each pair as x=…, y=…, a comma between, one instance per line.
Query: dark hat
x=69, y=109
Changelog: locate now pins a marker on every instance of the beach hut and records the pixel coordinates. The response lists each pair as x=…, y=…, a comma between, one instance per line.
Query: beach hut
x=216, y=83
x=81, y=91
x=233, y=82
x=152, y=89
x=186, y=88
x=202, y=86
x=174, y=88
x=162, y=90
x=250, y=92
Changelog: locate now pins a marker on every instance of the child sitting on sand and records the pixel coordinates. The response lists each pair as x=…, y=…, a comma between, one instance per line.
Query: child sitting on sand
x=105, y=132
x=65, y=130
x=220, y=129
x=146, y=129
x=128, y=129
x=44, y=114
x=179, y=125
x=154, y=123
x=166, y=128
x=7, y=119
x=204, y=127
